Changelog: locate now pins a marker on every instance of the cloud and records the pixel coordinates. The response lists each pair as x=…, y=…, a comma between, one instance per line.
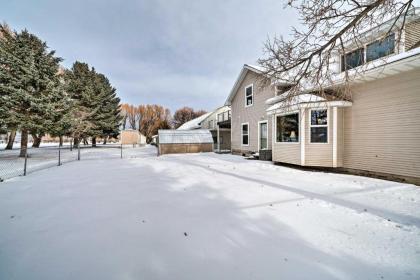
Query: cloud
x=173, y=53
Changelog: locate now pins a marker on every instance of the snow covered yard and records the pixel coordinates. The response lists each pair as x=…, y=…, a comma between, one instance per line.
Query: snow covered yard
x=205, y=216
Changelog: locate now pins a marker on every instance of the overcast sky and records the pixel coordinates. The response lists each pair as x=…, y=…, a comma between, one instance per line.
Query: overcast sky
x=174, y=53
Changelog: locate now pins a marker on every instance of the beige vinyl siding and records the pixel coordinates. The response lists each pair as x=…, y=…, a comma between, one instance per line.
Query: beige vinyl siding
x=284, y=152
x=340, y=136
x=252, y=114
x=318, y=154
x=412, y=34
x=382, y=128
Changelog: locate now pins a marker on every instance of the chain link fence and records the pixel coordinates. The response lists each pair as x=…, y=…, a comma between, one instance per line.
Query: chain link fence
x=12, y=165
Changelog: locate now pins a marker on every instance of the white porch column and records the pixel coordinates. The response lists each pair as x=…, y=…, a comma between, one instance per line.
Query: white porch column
x=218, y=138
x=302, y=136
x=335, y=134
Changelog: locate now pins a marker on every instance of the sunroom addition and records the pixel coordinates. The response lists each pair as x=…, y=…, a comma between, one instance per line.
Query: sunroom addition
x=308, y=130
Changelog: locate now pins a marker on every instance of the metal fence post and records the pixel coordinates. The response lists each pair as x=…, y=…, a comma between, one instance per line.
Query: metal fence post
x=78, y=151
x=121, y=150
x=59, y=155
x=26, y=159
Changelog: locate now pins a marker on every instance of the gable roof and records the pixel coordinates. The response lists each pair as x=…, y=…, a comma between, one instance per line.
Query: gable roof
x=194, y=123
x=242, y=74
x=197, y=136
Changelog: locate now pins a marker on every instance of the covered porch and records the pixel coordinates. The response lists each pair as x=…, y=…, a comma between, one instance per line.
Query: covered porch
x=222, y=134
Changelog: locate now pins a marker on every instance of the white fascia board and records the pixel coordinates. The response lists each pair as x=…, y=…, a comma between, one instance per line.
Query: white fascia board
x=291, y=108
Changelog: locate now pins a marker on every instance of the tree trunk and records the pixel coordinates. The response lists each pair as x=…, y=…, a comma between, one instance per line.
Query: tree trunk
x=11, y=140
x=61, y=141
x=23, y=143
x=85, y=141
x=105, y=139
x=37, y=140
x=93, y=141
x=76, y=142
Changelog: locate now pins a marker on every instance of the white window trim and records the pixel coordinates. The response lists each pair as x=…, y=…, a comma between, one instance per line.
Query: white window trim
x=335, y=137
x=302, y=136
x=323, y=125
x=260, y=122
x=275, y=128
x=252, y=95
x=242, y=134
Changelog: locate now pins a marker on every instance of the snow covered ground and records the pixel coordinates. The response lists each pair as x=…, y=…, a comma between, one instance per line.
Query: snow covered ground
x=11, y=165
x=205, y=216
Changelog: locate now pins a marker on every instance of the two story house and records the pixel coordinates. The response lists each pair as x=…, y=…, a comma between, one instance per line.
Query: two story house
x=378, y=130
x=218, y=122
x=251, y=127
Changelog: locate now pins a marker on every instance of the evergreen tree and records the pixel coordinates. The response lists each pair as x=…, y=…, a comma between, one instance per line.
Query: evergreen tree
x=98, y=109
x=79, y=85
x=108, y=116
x=29, y=86
x=10, y=69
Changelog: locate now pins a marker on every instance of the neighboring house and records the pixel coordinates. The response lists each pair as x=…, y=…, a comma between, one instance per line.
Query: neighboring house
x=132, y=137
x=377, y=131
x=251, y=128
x=194, y=123
x=218, y=122
x=172, y=141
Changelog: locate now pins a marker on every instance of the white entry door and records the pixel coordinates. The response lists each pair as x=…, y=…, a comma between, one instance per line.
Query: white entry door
x=263, y=135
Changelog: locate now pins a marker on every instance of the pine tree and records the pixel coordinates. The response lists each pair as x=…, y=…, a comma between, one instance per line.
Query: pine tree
x=10, y=69
x=80, y=89
x=29, y=85
x=98, y=109
x=107, y=118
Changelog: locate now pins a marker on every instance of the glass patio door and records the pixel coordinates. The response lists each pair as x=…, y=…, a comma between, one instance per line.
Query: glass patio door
x=263, y=136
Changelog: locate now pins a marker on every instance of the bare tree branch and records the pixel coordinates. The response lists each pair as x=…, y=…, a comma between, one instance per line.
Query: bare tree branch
x=331, y=28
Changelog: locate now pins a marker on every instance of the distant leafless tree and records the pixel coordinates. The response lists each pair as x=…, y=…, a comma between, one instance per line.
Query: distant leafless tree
x=152, y=118
x=329, y=26
x=186, y=114
x=131, y=114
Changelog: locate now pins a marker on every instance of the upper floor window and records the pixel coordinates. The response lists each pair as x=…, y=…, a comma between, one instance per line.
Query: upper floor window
x=287, y=128
x=319, y=126
x=249, y=95
x=369, y=52
x=225, y=116
x=380, y=48
x=353, y=59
